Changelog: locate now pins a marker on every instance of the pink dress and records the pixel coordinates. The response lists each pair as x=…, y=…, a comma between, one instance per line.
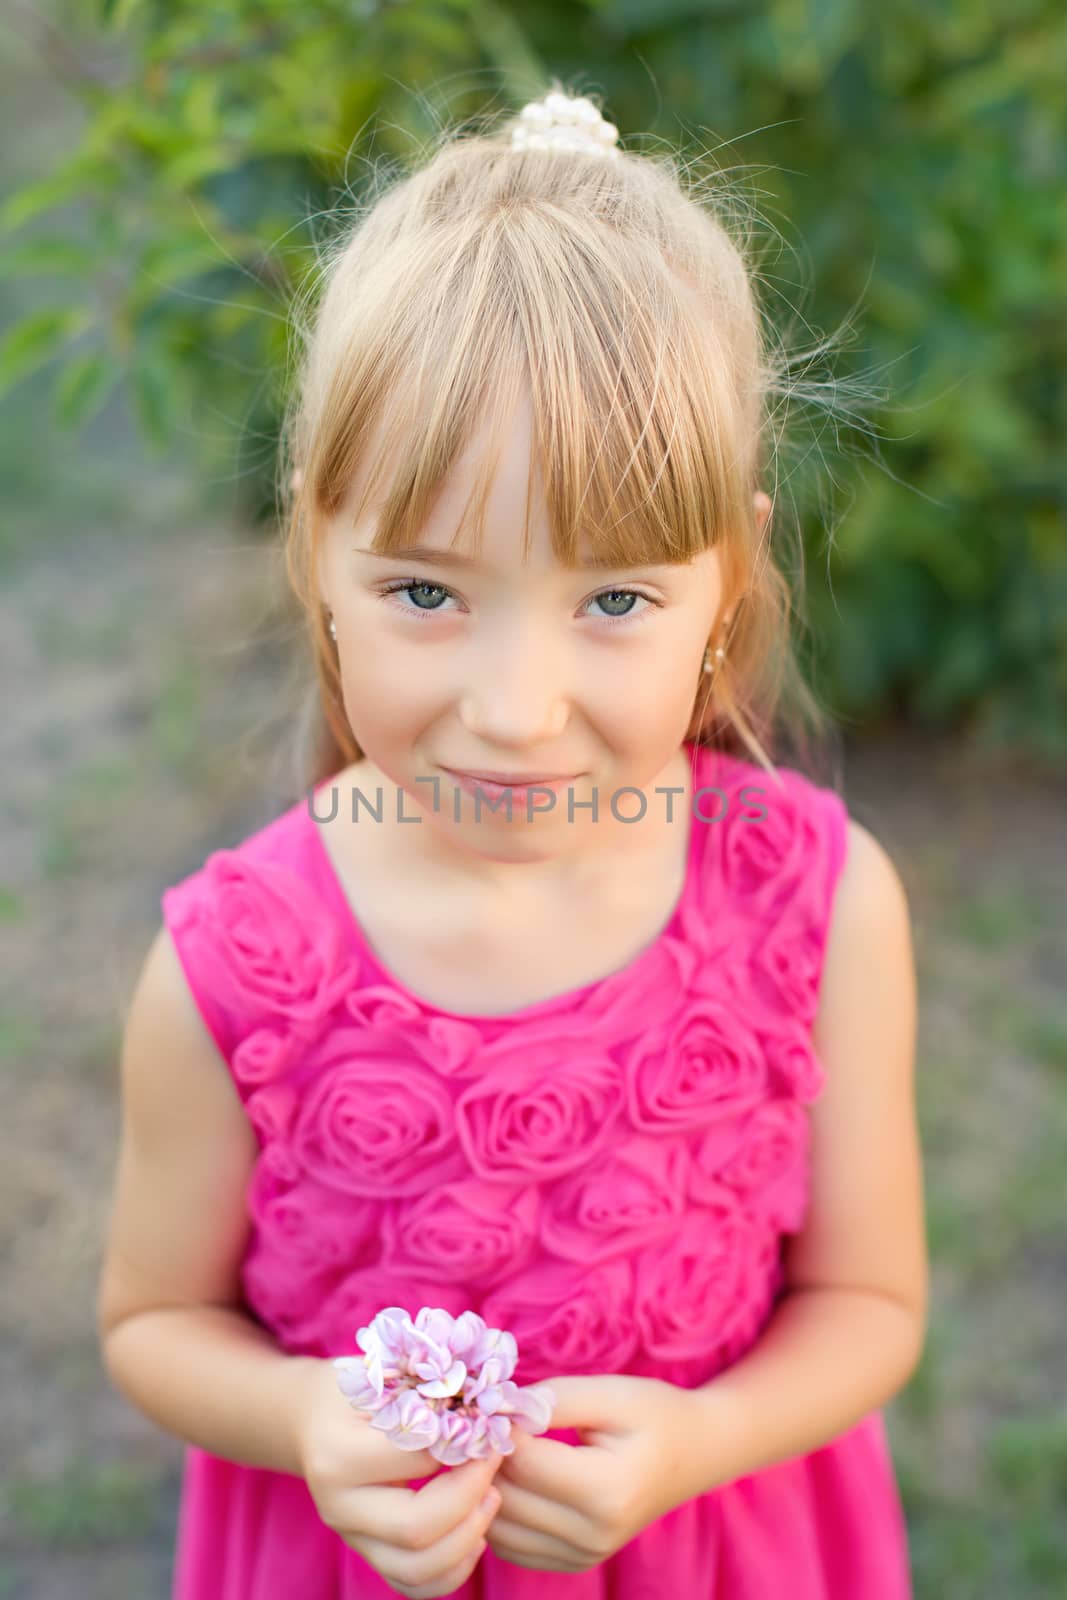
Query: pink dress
x=608, y=1173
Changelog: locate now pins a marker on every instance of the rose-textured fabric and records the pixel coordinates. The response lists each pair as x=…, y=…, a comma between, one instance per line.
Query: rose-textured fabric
x=609, y=1173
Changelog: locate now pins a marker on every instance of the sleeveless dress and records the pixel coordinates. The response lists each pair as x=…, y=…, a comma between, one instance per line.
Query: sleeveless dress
x=608, y=1173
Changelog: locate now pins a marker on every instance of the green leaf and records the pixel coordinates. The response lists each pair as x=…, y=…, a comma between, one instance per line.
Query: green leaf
x=811, y=36
x=87, y=169
x=175, y=256
x=154, y=392
x=116, y=13
x=83, y=386
x=35, y=339
x=37, y=197
x=33, y=256
x=622, y=17
x=506, y=43
x=189, y=166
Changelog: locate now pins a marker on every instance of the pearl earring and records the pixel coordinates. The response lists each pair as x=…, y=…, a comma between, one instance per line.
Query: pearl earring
x=720, y=656
x=333, y=629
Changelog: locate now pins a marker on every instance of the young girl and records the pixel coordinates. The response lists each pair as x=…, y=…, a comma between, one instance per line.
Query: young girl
x=554, y=998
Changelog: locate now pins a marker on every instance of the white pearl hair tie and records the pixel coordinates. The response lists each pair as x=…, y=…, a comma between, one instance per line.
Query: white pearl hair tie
x=559, y=122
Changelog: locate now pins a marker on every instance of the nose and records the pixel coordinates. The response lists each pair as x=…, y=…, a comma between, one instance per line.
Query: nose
x=515, y=695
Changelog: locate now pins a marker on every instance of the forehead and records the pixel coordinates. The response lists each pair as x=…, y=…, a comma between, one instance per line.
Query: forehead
x=447, y=537
x=484, y=509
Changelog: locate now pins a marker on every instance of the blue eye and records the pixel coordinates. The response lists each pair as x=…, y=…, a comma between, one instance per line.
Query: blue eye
x=413, y=586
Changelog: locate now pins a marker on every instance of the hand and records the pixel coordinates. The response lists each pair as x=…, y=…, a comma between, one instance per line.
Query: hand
x=565, y=1508
x=424, y=1542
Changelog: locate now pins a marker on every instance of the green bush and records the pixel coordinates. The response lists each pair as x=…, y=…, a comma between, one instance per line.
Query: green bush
x=917, y=152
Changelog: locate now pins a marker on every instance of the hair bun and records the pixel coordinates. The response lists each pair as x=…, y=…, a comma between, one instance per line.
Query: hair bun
x=564, y=122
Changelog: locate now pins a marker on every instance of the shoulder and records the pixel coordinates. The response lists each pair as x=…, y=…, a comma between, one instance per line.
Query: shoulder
x=868, y=968
x=248, y=923
x=870, y=899
x=852, y=896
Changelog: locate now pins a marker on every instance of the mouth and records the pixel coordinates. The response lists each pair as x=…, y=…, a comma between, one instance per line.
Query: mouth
x=511, y=791
x=507, y=780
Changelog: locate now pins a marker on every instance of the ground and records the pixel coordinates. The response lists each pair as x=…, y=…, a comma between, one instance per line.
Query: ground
x=154, y=692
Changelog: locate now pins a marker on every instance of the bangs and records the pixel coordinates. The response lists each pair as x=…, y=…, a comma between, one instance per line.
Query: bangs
x=633, y=399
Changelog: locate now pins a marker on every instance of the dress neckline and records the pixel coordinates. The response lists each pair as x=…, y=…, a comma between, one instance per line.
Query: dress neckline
x=699, y=757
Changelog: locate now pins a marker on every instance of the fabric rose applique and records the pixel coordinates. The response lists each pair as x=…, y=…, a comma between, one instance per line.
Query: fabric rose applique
x=442, y=1384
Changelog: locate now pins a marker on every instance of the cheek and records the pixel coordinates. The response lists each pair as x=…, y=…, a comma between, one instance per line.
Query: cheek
x=380, y=680
x=660, y=686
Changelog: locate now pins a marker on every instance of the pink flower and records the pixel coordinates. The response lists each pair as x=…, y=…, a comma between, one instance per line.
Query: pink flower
x=263, y=1055
x=767, y=841
x=786, y=966
x=452, y=1045
x=298, y=1250
x=441, y=1383
x=299, y=1226
x=642, y=994
x=708, y=1066
x=541, y=1105
x=448, y=1044
x=479, y=1228
x=698, y=1287
x=375, y=1120
x=377, y=1004
x=278, y=1294
x=763, y=1161
x=274, y=950
x=715, y=940
x=611, y=1206
x=793, y=1061
x=579, y=1319
x=410, y=1420
x=270, y=1110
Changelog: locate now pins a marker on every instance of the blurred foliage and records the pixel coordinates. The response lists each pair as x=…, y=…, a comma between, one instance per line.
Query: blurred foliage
x=917, y=150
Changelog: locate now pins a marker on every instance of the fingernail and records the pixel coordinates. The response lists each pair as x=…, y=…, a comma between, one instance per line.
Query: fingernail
x=490, y=1501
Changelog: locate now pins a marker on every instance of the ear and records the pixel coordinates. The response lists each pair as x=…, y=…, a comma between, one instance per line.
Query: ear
x=763, y=508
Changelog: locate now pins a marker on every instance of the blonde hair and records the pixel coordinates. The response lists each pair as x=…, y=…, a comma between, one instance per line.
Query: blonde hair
x=625, y=302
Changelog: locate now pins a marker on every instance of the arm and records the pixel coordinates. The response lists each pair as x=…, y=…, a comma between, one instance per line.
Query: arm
x=849, y=1331
x=213, y=1377
x=826, y=1358
x=172, y=1333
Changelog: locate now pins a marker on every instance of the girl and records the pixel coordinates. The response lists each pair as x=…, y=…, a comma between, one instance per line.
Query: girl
x=556, y=998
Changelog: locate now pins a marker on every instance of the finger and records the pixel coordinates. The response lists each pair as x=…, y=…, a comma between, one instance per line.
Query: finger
x=425, y=1568
x=531, y=1517
x=384, y=1462
x=556, y=1471
x=529, y=1547
x=413, y=1519
x=447, y=1583
x=513, y=1543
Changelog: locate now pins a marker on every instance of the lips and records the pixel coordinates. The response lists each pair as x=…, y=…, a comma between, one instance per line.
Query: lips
x=509, y=793
x=506, y=778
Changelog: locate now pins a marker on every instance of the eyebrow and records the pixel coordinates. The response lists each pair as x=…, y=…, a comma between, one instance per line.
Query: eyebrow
x=452, y=558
